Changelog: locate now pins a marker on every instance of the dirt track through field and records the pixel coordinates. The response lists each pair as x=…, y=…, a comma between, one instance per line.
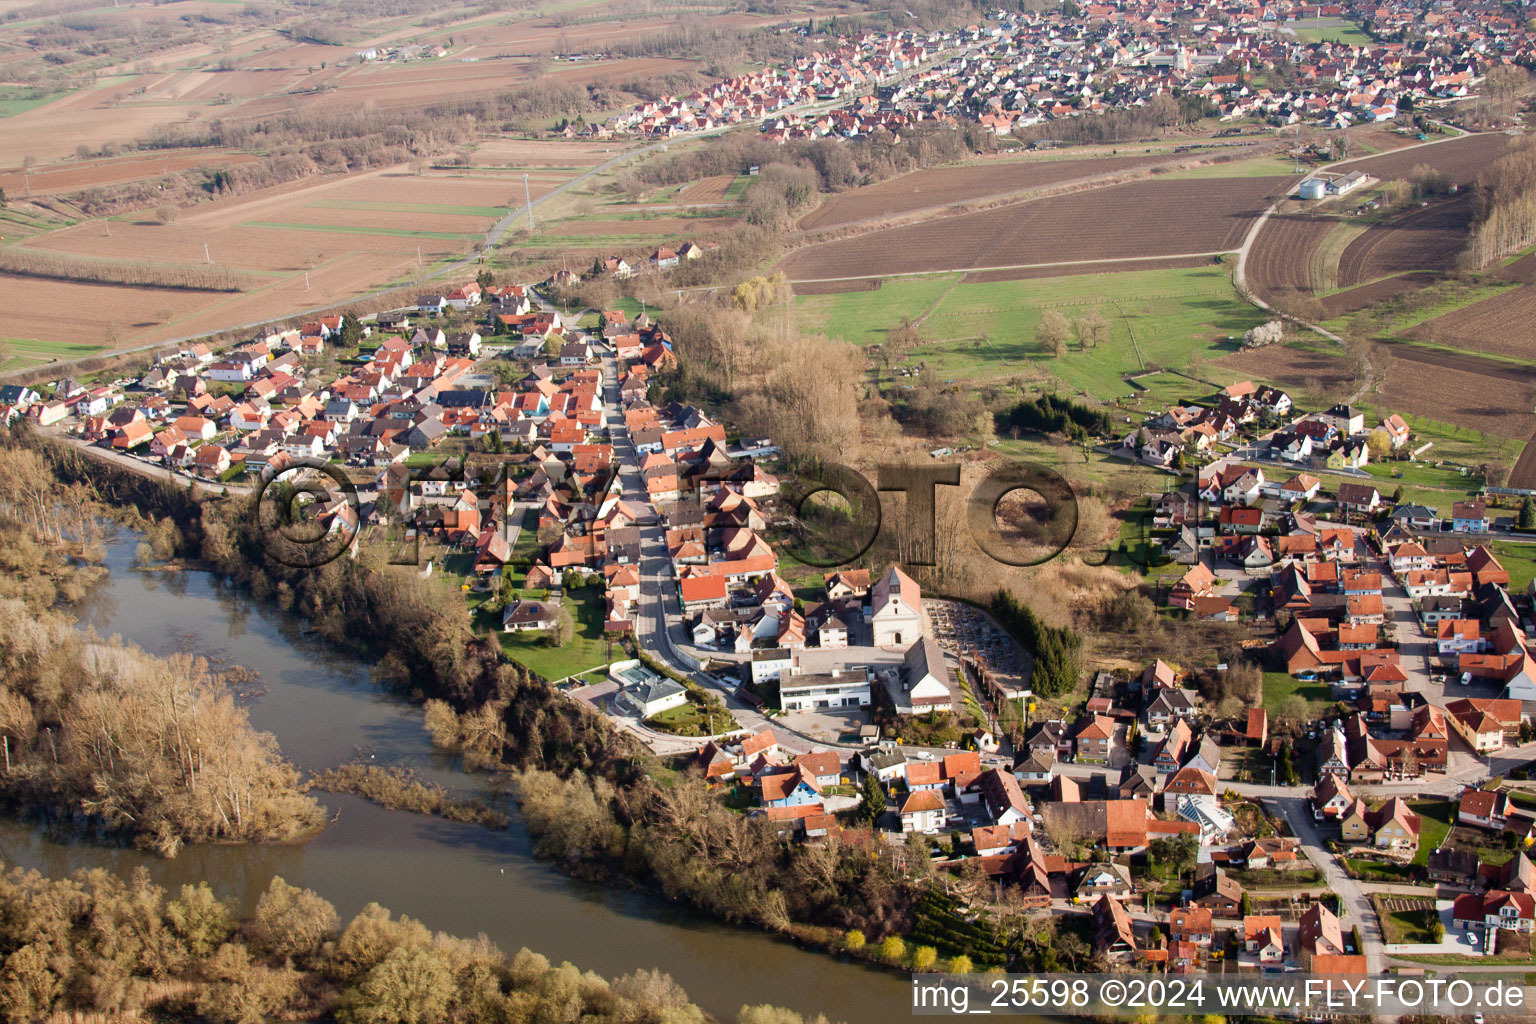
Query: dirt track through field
x=1281, y=257
x=1134, y=221
x=1461, y=158
x=940, y=186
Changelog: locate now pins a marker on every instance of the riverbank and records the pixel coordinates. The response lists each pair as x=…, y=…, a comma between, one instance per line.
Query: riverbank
x=324, y=707
x=423, y=651
x=97, y=944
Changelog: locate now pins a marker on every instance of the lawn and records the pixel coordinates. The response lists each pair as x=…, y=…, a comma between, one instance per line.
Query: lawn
x=1435, y=498
x=587, y=649
x=982, y=330
x=1456, y=444
x=526, y=547
x=15, y=100
x=1435, y=818
x=1143, y=547
x=1404, y=925
x=1253, y=167
x=1119, y=476
x=1520, y=560
x=1161, y=390
x=1279, y=686
x=1346, y=33
x=691, y=719
x=29, y=352
x=1424, y=474
x=862, y=318
x=738, y=187
x=1452, y=960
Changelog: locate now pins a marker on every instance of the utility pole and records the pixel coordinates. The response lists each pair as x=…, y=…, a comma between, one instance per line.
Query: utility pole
x=528, y=198
x=207, y=258
x=418, y=255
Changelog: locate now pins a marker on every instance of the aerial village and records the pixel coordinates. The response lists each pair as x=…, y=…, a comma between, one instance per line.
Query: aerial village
x=1031, y=68
x=1178, y=831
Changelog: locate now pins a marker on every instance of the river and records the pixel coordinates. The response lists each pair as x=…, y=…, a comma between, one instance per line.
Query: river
x=461, y=879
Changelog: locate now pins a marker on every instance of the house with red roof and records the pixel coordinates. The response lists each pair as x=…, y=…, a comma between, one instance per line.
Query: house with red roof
x=1495, y=909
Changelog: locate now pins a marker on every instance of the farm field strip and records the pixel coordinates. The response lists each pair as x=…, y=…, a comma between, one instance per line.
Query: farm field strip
x=1462, y=158
x=940, y=186
x=435, y=208
x=1427, y=239
x=1326, y=275
x=359, y=229
x=981, y=330
x=349, y=219
x=1266, y=166
x=1130, y=221
x=1281, y=255
x=1504, y=325
x=1465, y=397
x=1352, y=300
x=28, y=351
x=1298, y=369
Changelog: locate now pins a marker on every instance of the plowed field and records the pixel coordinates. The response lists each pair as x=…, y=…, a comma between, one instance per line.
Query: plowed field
x=1504, y=325
x=1427, y=239
x=1281, y=257
x=1461, y=158
x=939, y=186
x=1290, y=367
x=1355, y=299
x=707, y=190
x=1459, y=389
x=75, y=176
x=1139, y=219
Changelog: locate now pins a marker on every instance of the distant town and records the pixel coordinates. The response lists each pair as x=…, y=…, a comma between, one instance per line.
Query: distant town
x=1034, y=68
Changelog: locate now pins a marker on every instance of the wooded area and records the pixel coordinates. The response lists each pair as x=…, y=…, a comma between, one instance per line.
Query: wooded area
x=103, y=734
x=96, y=943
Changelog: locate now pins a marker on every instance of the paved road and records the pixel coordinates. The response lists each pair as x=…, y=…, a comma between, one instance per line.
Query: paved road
x=142, y=467
x=1008, y=266
x=1356, y=904
x=658, y=593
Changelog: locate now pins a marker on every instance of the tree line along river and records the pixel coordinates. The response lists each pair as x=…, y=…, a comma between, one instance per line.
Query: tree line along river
x=462, y=879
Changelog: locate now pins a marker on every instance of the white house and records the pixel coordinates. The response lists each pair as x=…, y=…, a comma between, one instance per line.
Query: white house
x=837, y=689
x=923, y=811
x=768, y=666
x=922, y=682
x=644, y=691
x=231, y=371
